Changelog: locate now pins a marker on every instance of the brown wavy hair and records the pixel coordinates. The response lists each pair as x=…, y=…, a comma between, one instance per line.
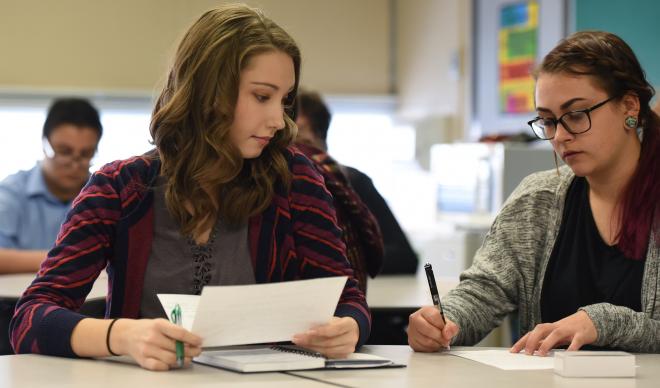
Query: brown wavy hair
x=610, y=62
x=206, y=176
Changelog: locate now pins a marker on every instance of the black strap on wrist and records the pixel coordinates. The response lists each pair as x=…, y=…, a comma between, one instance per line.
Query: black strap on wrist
x=107, y=337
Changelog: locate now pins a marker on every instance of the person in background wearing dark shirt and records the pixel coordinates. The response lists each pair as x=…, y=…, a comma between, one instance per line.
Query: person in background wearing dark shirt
x=360, y=230
x=313, y=121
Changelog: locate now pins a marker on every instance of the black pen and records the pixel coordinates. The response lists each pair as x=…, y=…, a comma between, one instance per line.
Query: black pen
x=434, y=290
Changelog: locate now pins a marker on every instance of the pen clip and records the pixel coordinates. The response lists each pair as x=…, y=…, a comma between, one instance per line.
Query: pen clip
x=176, y=315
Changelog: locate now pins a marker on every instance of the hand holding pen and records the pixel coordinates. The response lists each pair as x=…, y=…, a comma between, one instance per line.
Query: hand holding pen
x=430, y=278
x=177, y=319
x=152, y=342
x=428, y=329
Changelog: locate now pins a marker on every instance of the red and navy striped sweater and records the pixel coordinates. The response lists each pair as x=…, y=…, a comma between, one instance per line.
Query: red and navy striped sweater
x=111, y=224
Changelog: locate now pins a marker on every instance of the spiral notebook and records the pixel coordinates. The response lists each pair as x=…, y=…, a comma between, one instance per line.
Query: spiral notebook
x=249, y=359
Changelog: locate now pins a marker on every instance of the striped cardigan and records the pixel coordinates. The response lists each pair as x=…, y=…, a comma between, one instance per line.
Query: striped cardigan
x=111, y=224
x=362, y=237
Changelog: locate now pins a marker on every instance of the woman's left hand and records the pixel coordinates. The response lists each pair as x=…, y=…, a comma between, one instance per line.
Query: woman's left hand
x=336, y=339
x=575, y=330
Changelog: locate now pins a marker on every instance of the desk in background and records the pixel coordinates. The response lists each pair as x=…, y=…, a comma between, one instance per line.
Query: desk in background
x=404, y=291
x=392, y=298
x=12, y=287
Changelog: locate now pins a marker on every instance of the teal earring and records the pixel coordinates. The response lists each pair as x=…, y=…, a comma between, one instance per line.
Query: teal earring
x=631, y=122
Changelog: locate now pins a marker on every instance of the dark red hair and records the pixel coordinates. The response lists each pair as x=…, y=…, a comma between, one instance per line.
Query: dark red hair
x=613, y=65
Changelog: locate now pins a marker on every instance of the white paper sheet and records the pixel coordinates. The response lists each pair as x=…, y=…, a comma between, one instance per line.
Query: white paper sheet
x=273, y=312
x=503, y=359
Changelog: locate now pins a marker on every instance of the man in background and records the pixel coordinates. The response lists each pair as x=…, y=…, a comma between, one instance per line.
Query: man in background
x=313, y=120
x=33, y=203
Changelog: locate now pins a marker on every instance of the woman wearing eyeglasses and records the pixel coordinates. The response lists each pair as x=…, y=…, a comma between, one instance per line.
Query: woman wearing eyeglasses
x=575, y=250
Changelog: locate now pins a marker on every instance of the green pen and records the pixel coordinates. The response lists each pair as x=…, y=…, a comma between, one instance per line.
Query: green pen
x=178, y=320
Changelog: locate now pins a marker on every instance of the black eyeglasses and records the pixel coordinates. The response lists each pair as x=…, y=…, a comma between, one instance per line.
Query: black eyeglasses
x=575, y=122
x=67, y=159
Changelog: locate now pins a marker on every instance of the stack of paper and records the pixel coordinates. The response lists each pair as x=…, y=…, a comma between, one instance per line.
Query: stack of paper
x=503, y=359
x=595, y=364
x=569, y=364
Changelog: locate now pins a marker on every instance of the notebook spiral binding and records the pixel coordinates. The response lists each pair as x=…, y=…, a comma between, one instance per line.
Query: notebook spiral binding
x=291, y=349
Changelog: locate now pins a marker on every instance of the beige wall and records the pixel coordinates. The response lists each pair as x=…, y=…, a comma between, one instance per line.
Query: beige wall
x=433, y=69
x=124, y=46
x=430, y=56
x=345, y=43
x=120, y=47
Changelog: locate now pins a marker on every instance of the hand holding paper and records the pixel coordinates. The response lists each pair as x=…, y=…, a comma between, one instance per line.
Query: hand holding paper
x=274, y=312
x=336, y=339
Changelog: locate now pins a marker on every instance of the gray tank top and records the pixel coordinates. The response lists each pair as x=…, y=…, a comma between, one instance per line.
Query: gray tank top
x=177, y=265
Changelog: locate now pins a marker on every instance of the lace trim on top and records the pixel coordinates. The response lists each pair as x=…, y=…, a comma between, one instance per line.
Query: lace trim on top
x=202, y=255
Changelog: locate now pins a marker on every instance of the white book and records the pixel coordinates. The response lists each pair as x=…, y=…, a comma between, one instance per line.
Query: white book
x=594, y=364
x=250, y=359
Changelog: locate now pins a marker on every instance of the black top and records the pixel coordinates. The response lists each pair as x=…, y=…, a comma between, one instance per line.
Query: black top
x=399, y=258
x=583, y=269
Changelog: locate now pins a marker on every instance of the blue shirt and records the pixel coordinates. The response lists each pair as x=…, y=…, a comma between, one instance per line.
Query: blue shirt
x=30, y=216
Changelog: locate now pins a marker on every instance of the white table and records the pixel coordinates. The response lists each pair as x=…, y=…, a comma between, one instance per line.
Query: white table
x=424, y=370
x=442, y=370
x=29, y=370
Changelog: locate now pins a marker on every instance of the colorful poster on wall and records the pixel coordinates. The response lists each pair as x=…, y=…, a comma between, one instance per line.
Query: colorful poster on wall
x=517, y=51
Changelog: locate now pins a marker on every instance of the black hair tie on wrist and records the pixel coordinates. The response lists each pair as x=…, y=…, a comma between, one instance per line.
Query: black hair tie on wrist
x=107, y=337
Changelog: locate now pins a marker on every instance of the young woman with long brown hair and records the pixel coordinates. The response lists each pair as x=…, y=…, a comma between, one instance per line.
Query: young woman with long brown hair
x=222, y=200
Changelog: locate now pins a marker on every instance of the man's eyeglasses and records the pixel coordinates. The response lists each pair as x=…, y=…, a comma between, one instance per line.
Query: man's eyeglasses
x=68, y=158
x=575, y=122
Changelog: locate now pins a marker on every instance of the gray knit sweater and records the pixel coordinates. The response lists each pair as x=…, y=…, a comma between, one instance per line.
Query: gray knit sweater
x=508, y=270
